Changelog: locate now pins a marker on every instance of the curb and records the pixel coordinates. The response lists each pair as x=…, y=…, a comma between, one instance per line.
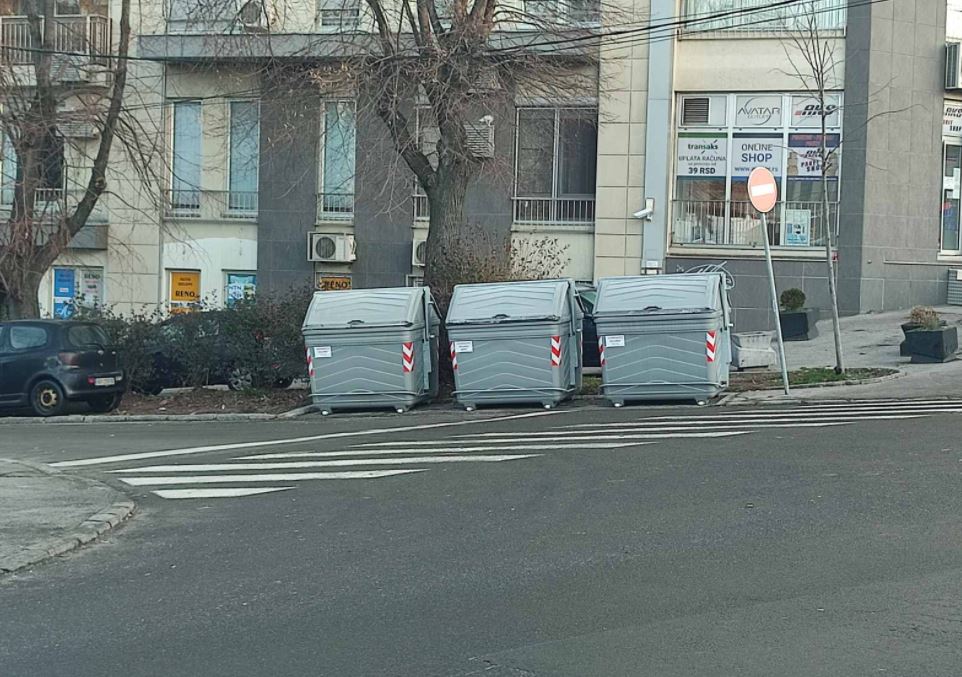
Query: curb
x=87, y=531
x=745, y=396
x=152, y=418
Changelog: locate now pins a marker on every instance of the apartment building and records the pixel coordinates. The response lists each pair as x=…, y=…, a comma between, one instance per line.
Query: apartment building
x=643, y=171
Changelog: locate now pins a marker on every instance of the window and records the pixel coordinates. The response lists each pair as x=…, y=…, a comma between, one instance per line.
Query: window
x=339, y=15
x=185, y=168
x=244, y=156
x=556, y=164
x=84, y=335
x=951, y=168
x=27, y=337
x=240, y=287
x=8, y=171
x=760, y=16
x=76, y=288
x=183, y=291
x=337, y=162
x=721, y=138
x=583, y=12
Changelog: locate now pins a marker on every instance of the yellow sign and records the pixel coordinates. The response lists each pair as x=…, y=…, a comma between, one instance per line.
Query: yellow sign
x=332, y=282
x=184, y=286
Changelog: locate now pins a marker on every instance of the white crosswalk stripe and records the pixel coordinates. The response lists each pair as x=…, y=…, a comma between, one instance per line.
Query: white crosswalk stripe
x=618, y=431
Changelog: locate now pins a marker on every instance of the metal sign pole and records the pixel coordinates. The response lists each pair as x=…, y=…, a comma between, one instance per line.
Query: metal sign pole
x=771, y=283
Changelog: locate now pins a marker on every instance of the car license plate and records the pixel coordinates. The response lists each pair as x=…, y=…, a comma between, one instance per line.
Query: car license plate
x=105, y=381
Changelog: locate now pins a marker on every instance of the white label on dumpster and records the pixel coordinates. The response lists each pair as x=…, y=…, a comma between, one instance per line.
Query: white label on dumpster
x=617, y=341
x=464, y=346
x=322, y=351
x=958, y=275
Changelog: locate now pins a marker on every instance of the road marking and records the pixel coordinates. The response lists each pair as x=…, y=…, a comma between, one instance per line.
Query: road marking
x=368, y=452
x=217, y=467
x=763, y=418
x=270, y=477
x=101, y=460
x=217, y=492
x=628, y=428
x=570, y=438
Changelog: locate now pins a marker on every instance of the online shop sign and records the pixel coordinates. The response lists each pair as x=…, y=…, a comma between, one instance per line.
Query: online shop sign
x=758, y=111
x=703, y=155
x=757, y=150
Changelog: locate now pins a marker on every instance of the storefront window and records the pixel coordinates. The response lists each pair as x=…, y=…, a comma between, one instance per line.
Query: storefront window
x=780, y=132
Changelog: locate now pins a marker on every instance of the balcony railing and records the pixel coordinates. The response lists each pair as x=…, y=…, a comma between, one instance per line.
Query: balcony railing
x=335, y=207
x=421, y=209
x=758, y=15
x=721, y=223
x=554, y=211
x=340, y=19
x=210, y=205
x=87, y=35
x=574, y=12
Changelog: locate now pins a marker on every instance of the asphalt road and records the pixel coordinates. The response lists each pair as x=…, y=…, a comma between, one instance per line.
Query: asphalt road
x=823, y=541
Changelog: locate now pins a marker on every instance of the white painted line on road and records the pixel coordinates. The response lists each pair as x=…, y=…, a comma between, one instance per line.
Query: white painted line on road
x=760, y=418
x=368, y=452
x=217, y=492
x=270, y=477
x=291, y=465
x=628, y=428
x=100, y=460
x=570, y=438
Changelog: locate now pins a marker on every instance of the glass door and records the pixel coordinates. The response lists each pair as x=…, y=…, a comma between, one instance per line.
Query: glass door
x=951, y=189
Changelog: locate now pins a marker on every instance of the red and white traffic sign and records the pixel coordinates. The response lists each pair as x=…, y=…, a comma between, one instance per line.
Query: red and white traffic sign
x=762, y=189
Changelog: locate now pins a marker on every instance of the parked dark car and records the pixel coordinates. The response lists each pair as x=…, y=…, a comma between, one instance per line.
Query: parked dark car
x=44, y=364
x=591, y=356
x=206, y=332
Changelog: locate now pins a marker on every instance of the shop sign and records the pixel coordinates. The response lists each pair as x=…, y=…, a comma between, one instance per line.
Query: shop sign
x=64, y=292
x=240, y=287
x=184, y=292
x=702, y=155
x=805, y=155
x=807, y=111
x=952, y=120
x=798, y=227
x=757, y=150
x=324, y=282
x=91, y=287
x=758, y=111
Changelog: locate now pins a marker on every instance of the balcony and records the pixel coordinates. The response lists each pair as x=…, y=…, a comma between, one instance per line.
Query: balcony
x=210, y=205
x=757, y=16
x=422, y=212
x=335, y=207
x=721, y=223
x=555, y=211
x=84, y=36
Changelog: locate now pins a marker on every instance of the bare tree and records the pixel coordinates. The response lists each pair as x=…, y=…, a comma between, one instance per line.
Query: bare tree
x=41, y=97
x=446, y=65
x=814, y=64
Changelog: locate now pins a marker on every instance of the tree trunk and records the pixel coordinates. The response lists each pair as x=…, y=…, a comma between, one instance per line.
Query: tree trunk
x=21, y=300
x=444, y=268
x=829, y=261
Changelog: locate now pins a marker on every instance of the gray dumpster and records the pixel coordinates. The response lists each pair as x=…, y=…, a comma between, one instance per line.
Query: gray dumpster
x=370, y=348
x=663, y=337
x=515, y=342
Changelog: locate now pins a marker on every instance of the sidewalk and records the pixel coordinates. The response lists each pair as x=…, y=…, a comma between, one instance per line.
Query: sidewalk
x=870, y=340
x=48, y=513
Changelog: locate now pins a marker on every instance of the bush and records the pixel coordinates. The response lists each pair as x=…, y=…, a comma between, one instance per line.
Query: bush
x=132, y=335
x=924, y=317
x=792, y=299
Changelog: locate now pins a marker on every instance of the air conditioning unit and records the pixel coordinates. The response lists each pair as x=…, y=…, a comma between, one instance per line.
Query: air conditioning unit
x=953, y=80
x=702, y=111
x=331, y=248
x=419, y=253
x=252, y=15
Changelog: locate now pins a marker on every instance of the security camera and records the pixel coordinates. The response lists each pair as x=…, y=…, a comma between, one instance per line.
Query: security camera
x=647, y=211
x=487, y=120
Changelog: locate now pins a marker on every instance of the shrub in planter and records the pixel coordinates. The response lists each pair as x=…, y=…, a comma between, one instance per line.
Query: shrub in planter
x=797, y=322
x=928, y=338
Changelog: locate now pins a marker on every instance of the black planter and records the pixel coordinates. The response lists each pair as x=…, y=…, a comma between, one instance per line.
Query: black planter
x=904, y=345
x=932, y=345
x=798, y=325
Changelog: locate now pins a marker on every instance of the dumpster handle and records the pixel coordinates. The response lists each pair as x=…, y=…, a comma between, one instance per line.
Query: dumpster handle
x=427, y=302
x=647, y=308
x=353, y=322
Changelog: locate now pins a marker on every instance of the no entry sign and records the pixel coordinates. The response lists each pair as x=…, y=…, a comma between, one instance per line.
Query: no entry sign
x=762, y=189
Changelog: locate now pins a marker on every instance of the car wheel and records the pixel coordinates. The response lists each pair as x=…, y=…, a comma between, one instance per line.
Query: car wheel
x=105, y=403
x=240, y=379
x=283, y=383
x=47, y=398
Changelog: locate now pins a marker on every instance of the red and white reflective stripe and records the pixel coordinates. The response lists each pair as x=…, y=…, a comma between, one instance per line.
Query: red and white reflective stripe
x=407, y=357
x=310, y=364
x=601, y=349
x=555, y=351
x=454, y=357
x=710, y=345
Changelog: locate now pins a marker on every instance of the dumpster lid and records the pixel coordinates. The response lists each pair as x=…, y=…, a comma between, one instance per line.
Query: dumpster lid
x=496, y=303
x=360, y=308
x=660, y=294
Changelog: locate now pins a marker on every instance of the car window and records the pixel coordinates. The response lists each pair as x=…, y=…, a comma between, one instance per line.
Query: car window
x=27, y=337
x=84, y=335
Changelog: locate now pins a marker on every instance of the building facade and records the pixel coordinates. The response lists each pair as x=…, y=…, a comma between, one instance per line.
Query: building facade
x=644, y=171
